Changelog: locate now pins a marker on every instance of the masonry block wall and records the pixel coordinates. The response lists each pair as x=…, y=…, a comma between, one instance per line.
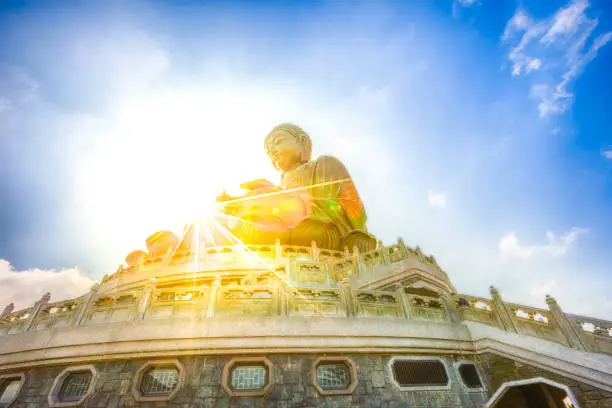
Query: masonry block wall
x=498, y=370
x=292, y=386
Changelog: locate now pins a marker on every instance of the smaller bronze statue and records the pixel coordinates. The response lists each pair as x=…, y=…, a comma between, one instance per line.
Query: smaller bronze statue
x=316, y=200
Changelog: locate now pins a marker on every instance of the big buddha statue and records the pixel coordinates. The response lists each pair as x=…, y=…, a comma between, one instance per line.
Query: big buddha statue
x=315, y=201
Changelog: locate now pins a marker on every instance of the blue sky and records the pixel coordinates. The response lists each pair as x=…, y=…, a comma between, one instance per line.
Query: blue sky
x=478, y=130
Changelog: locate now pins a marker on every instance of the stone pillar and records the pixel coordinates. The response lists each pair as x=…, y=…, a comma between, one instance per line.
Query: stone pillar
x=405, y=303
x=315, y=251
x=278, y=249
x=7, y=311
x=328, y=270
x=402, y=247
x=44, y=300
x=504, y=315
x=359, y=267
x=145, y=300
x=571, y=334
x=349, y=298
x=212, y=300
x=385, y=253
x=284, y=298
x=85, y=305
x=450, y=308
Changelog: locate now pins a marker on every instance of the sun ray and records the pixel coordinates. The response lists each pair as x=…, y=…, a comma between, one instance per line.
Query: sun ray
x=239, y=219
x=280, y=192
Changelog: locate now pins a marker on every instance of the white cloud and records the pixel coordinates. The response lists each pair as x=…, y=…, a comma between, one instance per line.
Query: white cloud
x=519, y=21
x=551, y=103
x=607, y=154
x=567, y=21
x=559, y=43
x=23, y=288
x=437, y=200
x=556, y=246
x=533, y=65
x=458, y=4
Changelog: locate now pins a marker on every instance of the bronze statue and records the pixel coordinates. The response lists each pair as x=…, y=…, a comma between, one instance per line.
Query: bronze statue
x=316, y=200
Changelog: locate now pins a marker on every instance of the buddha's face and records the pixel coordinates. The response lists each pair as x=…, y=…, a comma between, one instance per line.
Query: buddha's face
x=284, y=150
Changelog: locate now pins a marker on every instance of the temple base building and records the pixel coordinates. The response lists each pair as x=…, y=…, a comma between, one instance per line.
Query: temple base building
x=255, y=318
x=280, y=326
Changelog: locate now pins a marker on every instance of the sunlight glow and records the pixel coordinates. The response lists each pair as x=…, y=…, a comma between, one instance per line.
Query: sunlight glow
x=165, y=157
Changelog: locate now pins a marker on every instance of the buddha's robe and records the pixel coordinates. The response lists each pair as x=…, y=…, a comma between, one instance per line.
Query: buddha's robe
x=317, y=201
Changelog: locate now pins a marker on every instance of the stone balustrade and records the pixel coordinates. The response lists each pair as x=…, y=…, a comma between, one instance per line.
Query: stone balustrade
x=475, y=309
x=379, y=303
x=596, y=333
x=329, y=266
x=117, y=307
x=423, y=307
x=275, y=280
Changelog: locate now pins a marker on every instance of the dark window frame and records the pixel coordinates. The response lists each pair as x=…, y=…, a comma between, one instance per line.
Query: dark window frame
x=61, y=397
x=247, y=364
x=458, y=366
x=5, y=381
x=419, y=387
x=152, y=367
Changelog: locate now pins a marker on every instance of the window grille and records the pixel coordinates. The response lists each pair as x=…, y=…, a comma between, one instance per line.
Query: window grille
x=249, y=377
x=159, y=381
x=74, y=387
x=9, y=388
x=414, y=373
x=469, y=375
x=331, y=376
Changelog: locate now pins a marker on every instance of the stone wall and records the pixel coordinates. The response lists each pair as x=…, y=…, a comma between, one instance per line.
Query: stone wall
x=292, y=386
x=498, y=370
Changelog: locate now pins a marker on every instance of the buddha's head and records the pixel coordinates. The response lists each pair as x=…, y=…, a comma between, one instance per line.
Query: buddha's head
x=288, y=146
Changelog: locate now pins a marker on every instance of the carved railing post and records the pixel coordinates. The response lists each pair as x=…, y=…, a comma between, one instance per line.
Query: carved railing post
x=350, y=302
x=314, y=251
x=405, y=303
x=573, y=337
x=328, y=271
x=384, y=252
x=85, y=305
x=212, y=300
x=278, y=249
x=36, y=310
x=145, y=300
x=402, y=248
x=292, y=271
x=450, y=308
x=284, y=298
x=504, y=316
x=7, y=311
x=359, y=266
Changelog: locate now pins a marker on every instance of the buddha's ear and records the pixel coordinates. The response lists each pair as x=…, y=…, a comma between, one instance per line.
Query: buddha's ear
x=305, y=153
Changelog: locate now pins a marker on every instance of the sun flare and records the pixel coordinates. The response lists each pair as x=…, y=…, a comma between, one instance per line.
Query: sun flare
x=165, y=158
